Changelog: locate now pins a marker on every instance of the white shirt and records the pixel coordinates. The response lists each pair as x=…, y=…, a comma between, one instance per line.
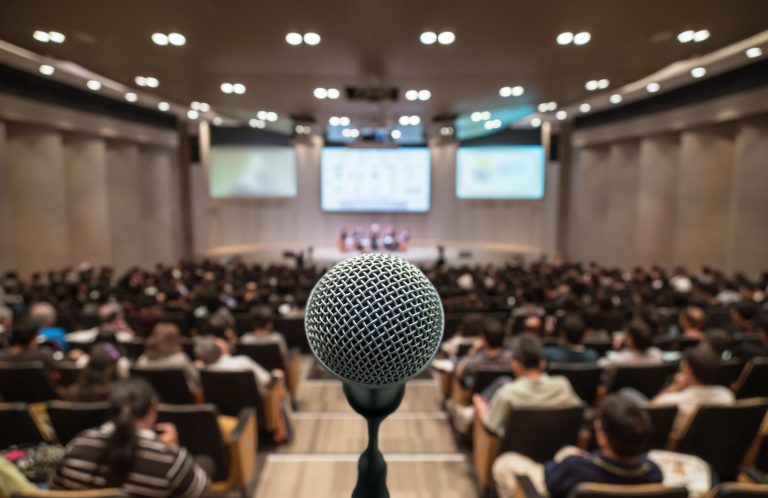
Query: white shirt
x=651, y=356
x=89, y=335
x=241, y=363
x=689, y=399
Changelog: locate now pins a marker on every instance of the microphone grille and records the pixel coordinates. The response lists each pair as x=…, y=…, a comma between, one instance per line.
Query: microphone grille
x=374, y=319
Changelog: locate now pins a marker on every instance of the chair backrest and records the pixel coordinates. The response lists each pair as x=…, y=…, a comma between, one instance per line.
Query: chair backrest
x=718, y=318
x=729, y=371
x=79, y=493
x=267, y=355
x=170, y=383
x=539, y=433
x=595, y=490
x=484, y=378
x=25, y=381
x=753, y=382
x=81, y=345
x=293, y=331
x=134, y=348
x=243, y=323
x=232, y=391
x=70, y=418
x=611, y=321
x=648, y=379
x=602, y=346
x=463, y=349
x=662, y=419
x=739, y=490
x=584, y=377
x=18, y=426
x=721, y=435
x=452, y=322
x=68, y=374
x=199, y=433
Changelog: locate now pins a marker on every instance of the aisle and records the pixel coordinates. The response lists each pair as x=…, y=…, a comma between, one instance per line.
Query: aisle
x=321, y=461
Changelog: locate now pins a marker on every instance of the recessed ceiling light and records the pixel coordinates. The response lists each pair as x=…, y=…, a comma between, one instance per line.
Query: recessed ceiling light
x=701, y=35
x=446, y=38
x=551, y=105
x=345, y=121
x=272, y=116
x=253, y=123
x=582, y=38
x=333, y=93
x=428, y=37
x=47, y=69
x=561, y=115
x=396, y=134
x=320, y=93
x=193, y=114
x=412, y=95
x=140, y=80
x=41, y=36
x=446, y=131
x=543, y=107
x=485, y=115
x=94, y=85
x=217, y=121
x=425, y=95
x=585, y=107
x=414, y=120
x=602, y=84
x=476, y=116
x=404, y=120
x=591, y=85
x=698, y=72
x=311, y=38
x=505, y=91
x=160, y=39
x=131, y=97
x=754, y=52
x=652, y=87
x=686, y=36
x=226, y=87
x=152, y=82
x=536, y=122
x=163, y=106
x=334, y=121
x=177, y=39
x=262, y=115
x=564, y=38
x=238, y=88
x=615, y=98
x=517, y=91
x=56, y=37
x=302, y=129
x=488, y=125
x=293, y=38
x=203, y=107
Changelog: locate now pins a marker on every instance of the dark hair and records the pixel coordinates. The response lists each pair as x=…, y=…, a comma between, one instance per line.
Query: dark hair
x=95, y=381
x=704, y=364
x=493, y=333
x=472, y=325
x=573, y=329
x=164, y=341
x=527, y=349
x=718, y=340
x=626, y=425
x=746, y=310
x=261, y=317
x=129, y=400
x=23, y=332
x=641, y=335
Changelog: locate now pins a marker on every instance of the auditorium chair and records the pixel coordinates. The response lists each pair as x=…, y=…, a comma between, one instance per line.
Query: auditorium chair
x=481, y=379
x=718, y=318
x=271, y=358
x=739, y=490
x=537, y=433
x=243, y=323
x=452, y=322
x=293, y=331
x=611, y=321
x=68, y=374
x=602, y=346
x=133, y=348
x=17, y=427
x=230, y=443
x=584, y=377
x=753, y=381
x=648, y=379
x=729, y=372
x=25, y=381
x=526, y=489
x=722, y=435
x=170, y=384
x=662, y=420
x=70, y=418
x=84, y=346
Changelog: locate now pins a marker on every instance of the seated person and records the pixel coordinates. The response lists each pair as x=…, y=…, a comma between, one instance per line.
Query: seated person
x=487, y=353
x=743, y=316
x=44, y=315
x=469, y=331
x=748, y=350
x=634, y=347
x=164, y=350
x=692, y=321
x=220, y=325
x=622, y=430
x=694, y=385
x=571, y=349
x=95, y=380
x=6, y=321
x=111, y=319
x=532, y=387
x=131, y=451
x=263, y=331
x=24, y=348
x=213, y=353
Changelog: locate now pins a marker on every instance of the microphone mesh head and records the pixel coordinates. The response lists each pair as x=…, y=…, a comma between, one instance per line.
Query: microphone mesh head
x=374, y=319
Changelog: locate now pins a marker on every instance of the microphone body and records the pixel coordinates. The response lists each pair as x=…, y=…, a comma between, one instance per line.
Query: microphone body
x=374, y=321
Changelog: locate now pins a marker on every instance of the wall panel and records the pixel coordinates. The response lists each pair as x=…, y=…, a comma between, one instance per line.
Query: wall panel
x=125, y=205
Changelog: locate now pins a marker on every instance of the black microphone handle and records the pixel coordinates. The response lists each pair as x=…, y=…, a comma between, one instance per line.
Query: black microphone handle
x=375, y=405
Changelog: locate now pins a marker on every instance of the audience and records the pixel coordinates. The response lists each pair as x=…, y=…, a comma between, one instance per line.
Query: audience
x=6, y=322
x=44, y=317
x=692, y=322
x=24, y=347
x=634, y=347
x=622, y=431
x=743, y=315
x=164, y=350
x=111, y=319
x=263, y=330
x=470, y=329
x=95, y=380
x=571, y=349
x=131, y=451
x=487, y=353
x=213, y=353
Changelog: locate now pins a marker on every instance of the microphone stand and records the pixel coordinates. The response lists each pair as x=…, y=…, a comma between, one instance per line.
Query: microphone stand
x=375, y=405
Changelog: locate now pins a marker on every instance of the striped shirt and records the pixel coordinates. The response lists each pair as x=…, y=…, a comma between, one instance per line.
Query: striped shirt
x=158, y=471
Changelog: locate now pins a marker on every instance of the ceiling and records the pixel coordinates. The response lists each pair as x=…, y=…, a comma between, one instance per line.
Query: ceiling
x=498, y=42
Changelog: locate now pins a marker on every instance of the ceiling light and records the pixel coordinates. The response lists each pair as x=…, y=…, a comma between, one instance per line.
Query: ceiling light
x=585, y=107
x=404, y=120
x=652, y=87
x=160, y=39
x=253, y=123
x=396, y=134
x=333, y=93
x=686, y=36
x=591, y=85
x=425, y=95
x=561, y=115
x=428, y=37
x=701, y=35
x=615, y=98
x=536, y=122
x=131, y=97
x=350, y=132
x=564, y=38
x=56, y=37
x=505, y=91
x=262, y=115
x=163, y=106
x=543, y=107
x=485, y=115
x=272, y=116
x=446, y=38
x=517, y=91
x=698, y=72
x=412, y=95
x=511, y=91
x=476, y=116
x=344, y=121
x=551, y=105
x=41, y=36
x=94, y=85
x=414, y=120
x=140, y=80
x=217, y=121
x=582, y=38
x=311, y=38
x=603, y=84
x=334, y=121
x=488, y=125
x=152, y=82
x=320, y=93
x=226, y=87
x=293, y=39
x=754, y=52
x=193, y=114
x=301, y=129
x=204, y=107
x=238, y=88
x=446, y=130
x=176, y=39
x=47, y=69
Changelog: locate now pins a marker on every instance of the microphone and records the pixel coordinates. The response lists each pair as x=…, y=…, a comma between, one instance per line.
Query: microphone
x=374, y=321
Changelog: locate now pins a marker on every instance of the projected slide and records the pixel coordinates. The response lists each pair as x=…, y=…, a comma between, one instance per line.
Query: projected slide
x=252, y=171
x=382, y=180
x=509, y=172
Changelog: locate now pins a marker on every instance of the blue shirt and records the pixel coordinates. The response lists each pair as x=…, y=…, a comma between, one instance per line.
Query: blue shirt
x=564, y=354
x=561, y=478
x=55, y=334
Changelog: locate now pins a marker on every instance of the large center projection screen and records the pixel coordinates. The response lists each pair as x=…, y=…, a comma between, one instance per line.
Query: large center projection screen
x=508, y=172
x=375, y=180
x=252, y=171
